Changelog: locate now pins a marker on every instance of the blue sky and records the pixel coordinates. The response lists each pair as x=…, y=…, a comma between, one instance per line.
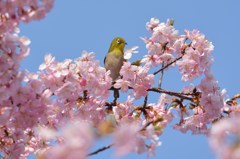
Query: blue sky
x=76, y=25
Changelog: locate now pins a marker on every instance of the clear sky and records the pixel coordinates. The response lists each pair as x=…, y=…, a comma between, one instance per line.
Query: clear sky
x=76, y=25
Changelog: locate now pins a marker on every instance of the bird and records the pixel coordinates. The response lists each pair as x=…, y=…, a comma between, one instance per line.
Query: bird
x=114, y=60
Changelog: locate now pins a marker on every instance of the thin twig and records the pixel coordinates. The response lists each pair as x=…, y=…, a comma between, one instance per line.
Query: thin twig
x=144, y=107
x=112, y=104
x=180, y=57
x=145, y=101
x=166, y=66
x=161, y=77
x=149, y=123
x=100, y=150
x=177, y=94
x=233, y=101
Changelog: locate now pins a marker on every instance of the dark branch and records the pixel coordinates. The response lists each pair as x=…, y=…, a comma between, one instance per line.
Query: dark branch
x=166, y=66
x=100, y=150
x=177, y=94
x=180, y=57
x=150, y=122
x=145, y=101
x=160, y=90
x=161, y=77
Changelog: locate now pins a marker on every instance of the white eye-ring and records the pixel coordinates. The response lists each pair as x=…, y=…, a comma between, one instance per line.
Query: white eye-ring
x=118, y=41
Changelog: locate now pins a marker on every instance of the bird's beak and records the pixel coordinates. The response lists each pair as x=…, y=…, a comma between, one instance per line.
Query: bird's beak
x=125, y=43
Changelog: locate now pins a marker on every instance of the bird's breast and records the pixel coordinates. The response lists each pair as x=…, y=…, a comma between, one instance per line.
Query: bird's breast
x=113, y=62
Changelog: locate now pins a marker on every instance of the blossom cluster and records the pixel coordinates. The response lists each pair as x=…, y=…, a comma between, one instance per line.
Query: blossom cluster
x=15, y=11
x=136, y=77
x=74, y=140
x=22, y=104
x=79, y=87
x=224, y=138
x=224, y=134
x=164, y=45
x=18, y=103
x=208, y=107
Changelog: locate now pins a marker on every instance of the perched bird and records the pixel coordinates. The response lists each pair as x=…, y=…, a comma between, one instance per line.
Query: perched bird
x=114, y=59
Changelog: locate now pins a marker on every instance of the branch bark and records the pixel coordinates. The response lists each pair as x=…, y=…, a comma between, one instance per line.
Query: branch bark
x=167, y=65
x=100, y=150
x=177, y=94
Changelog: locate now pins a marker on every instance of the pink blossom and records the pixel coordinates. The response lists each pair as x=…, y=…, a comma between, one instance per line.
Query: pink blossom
x=164, y=33
x=78, y=134
x=136, y=77
x=179, y=45
x=211, y=97
x=48, y=60
x=159, y=45
x=128, y=52
x=127, y=71
x=154, y=53
x=152, y=148
x=13, y=50
x=159, y=111
x=24, y=101
x=13, y=12
x=195, y=124
x=224, y=138
x=154, y=22
x=123, y=84
x=132, y=142
x=15, y=150
x=5, y=114
x=209, y=109
x=46, y=133
x=189, y=68
x=124, y=109
x=81, y=74
x=197, y=57
x=142, y=82
x=77, y=138
x=199, y=41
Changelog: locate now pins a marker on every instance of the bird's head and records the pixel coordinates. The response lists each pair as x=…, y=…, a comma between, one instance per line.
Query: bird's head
x=117, y=43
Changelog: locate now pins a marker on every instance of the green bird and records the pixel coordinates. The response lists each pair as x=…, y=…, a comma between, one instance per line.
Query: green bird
x=114, y=60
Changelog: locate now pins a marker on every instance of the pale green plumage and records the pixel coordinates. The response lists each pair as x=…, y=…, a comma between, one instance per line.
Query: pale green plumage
x=117, y=43
x=114, y=60
x=115, y=57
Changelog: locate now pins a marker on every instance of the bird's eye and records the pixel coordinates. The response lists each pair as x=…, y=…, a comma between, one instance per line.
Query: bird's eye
x=118, y=41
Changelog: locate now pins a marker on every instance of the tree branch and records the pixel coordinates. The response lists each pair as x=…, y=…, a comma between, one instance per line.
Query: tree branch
x=177, y=94
x=150, y=122
x=160, y=90
x=180, y=57
x=145, y=101
x=161, y=77
x=100, y=150
x=166, y=66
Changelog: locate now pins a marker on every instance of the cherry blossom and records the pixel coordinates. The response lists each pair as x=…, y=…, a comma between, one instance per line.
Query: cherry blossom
x=224, y=138
x=128, y=52
x=76, y=139
x=15, y=11
x=197, y=57
x=133, y=142
x=163, y=35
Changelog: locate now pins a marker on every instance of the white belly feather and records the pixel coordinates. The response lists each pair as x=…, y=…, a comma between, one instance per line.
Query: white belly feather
x=114, y=64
